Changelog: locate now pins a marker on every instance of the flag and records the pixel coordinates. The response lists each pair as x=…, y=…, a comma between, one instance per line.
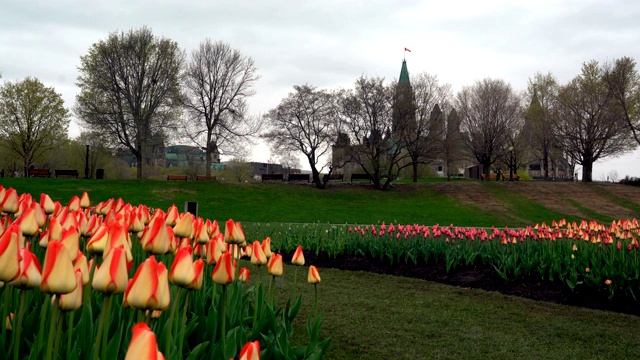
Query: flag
x=405, y=49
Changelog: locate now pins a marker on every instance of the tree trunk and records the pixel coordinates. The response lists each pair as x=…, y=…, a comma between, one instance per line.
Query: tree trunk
x=545, y=164
x=316, y=178
x=587, y=171
x=414, y=165
x=139, y=165
x=487, y=171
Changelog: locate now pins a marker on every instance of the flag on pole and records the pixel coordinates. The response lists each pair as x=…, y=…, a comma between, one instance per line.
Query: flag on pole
x=405, y=49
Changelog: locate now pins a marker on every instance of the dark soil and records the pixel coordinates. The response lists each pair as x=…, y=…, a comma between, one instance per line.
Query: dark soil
x=481, y=277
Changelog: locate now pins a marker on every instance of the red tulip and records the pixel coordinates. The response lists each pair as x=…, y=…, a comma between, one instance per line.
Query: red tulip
x=250, y=351
x=9, y=253
x=98, y=241
x=224, y=272
x=57, y=274
x=298, y=257
x=71, y=239
x=143, y=344
x=200, y=234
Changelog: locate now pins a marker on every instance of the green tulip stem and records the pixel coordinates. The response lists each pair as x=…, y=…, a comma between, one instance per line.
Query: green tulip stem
x=5, y=309
x=183, y=323
x=52, y=329
x=223, y=318
x=295, y=282
x=43, y=318
x=70, y=335
x=315, y=302
x=174, y=306
x=101, y=321
x=18, y=327
x=105, y=332
x=273, y=279
x=56, y=346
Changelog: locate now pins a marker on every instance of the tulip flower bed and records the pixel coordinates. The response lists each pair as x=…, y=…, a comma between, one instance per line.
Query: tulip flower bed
x=586, y=255
x=113, y=281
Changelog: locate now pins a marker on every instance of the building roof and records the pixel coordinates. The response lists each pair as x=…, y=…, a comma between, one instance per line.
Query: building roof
x=404, y=74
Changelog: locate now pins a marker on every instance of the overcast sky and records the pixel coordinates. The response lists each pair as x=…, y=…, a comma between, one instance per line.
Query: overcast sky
x=331, y=43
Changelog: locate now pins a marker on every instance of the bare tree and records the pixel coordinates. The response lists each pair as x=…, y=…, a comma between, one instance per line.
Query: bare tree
x=129, y=89
x=591, y=125
x=367, y=115
x=541, y=119
x=217, y=82
x=303, y=121
x=624, y=83
x=490, y=110
x=424, y=140
x=33, y=119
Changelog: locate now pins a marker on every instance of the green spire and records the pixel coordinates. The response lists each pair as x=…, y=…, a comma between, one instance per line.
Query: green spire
x=404, y=74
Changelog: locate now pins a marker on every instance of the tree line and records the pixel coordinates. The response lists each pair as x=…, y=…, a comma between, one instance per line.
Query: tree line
x=138, y=90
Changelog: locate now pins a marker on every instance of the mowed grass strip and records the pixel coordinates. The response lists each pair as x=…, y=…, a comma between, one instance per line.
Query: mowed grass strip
x=371, y=316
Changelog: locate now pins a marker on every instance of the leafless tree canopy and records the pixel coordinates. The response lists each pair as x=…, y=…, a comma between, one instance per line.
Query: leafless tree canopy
x=490, y=111
x=591, y=124
x=33, y=119
x=624, y=83
x=129, y=89
x=304, y=122
x=217, y=83
x=367, y=115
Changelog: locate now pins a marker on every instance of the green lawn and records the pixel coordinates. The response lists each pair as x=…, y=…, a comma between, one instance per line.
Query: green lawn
x=372, y=316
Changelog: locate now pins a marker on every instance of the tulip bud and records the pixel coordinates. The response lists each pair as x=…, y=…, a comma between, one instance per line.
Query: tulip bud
x=184, y=226
x=143, y=291
x=172, y=215
x=82, y=265
x=9, y=253
x=298, y=257
x=84, y=200
x=47, y=204
x=274, y=266
x=314, y=275
x=30, y=271
x=198, y=268
x=73, y=300
x=233, y=233
x=97, y=242
x=143, y=344
x=28, y=224
x=257, y=255
x=182, y=272
x=224, y=272
x=250, y=351
x=57, y=275
x=244, y=275
x=71, y=239
x=111, y=277
x=266, y=247
x=9, y=321
x=74, y=203
x=156, y=237
x=9, y=204
x=200, y=234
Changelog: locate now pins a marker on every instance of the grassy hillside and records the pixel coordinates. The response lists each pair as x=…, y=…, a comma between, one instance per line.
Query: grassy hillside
x=461, y=203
